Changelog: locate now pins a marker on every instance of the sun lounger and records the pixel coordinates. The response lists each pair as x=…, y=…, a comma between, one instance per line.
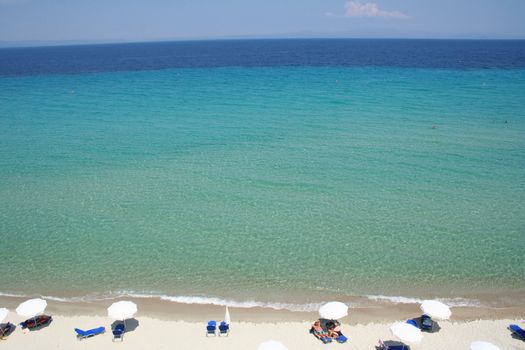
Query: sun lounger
x=89, y=333
x=517, y=331
x=321, y=336
x=36, y=323
x=384, y=346
x=426, y=323
x=118, y=332
x=224, y=329
x=211, y=328
x=397, y=347
x=325, y=339
x=413, y=323
x=341, y=339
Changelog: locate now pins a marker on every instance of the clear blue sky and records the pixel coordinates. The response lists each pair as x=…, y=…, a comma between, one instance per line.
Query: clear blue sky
x=140, y=20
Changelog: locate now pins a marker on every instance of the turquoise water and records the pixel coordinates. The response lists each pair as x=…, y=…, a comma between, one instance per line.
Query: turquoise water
x=273, y=184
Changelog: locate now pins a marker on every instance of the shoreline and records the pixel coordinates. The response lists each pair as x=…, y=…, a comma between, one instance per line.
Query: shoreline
x=380, y=311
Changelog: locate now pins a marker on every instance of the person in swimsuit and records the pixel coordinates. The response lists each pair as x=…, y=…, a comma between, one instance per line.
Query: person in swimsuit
x=318, y=331
x=335, y=331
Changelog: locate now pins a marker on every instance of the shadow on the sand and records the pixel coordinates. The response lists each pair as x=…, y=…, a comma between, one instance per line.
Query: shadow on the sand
x=6, y=329
x=517, y=337
x=130, y=324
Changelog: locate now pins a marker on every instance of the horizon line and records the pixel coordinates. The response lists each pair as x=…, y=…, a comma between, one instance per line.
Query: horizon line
x=7, y=44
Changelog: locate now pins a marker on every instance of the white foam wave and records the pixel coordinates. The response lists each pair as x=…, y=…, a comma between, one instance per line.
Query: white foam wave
x=85, y=298
x=62, y=300
x=190, y=300
x=12, y=295
x=456, y=302
x=196, y=300
x=200, y=300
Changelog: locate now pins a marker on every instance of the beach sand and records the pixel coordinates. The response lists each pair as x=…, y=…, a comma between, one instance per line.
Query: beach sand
x=160, y=325
x=153, y=333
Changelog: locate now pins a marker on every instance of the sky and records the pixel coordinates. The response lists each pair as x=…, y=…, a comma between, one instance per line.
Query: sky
x=150, y=20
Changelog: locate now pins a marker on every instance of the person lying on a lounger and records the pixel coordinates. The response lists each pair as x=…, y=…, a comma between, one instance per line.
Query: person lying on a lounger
x=335, y=331
x=318, y=331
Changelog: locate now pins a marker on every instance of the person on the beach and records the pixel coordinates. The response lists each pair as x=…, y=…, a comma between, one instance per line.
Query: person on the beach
x=318, y=331
x=335, y=331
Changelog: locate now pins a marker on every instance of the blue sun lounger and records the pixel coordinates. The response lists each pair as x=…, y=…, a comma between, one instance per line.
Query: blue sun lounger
x=118, y=332
x=211, y=328
x=224, y=329
x=89, y=333
x=341, y=339
x=413, y=323
x=426, y=323
x=397, y=347
x=321, y=336
x=517, y=331
x=387, y=346
x=325, y=339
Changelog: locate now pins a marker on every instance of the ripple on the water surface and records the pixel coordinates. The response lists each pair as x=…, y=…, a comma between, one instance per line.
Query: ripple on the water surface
x=258, y=191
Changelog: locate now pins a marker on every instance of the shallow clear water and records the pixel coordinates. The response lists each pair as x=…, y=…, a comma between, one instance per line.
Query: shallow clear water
x=264, y=183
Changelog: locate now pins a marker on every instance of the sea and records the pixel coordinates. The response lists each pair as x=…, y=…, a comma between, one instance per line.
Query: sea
x=272, y=173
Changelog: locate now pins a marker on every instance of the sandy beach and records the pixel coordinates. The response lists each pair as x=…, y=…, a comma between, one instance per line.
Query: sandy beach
x=164, y=325
x=152, y=333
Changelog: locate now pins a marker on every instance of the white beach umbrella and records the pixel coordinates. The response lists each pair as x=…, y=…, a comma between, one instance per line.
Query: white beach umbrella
x=272, y=345
x=436, y=309
x=122, y=310
x=3, y=314
x=333, y=310
x=227, y=318
x=406, y=332
x=483, y=345
x=31, y=307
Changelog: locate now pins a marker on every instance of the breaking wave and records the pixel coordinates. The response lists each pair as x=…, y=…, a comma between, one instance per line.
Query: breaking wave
x=456, y=302
x=202, y=300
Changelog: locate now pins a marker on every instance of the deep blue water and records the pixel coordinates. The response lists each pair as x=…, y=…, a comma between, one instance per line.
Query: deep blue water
x=452, y=54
